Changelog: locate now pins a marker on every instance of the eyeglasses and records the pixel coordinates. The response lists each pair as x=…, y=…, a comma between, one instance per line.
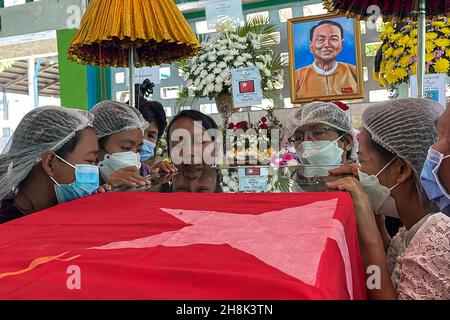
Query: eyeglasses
x=314, y=134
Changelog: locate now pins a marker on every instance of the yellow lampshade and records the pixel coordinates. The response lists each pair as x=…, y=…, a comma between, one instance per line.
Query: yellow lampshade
x=156, y=28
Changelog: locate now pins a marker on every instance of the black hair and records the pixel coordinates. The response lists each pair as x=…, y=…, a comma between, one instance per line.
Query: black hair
x=344, y=140
x=383, y=152
x=153, y=111
x=69, y=146
x=207, y=121
x=102, y=142
x=334, y=23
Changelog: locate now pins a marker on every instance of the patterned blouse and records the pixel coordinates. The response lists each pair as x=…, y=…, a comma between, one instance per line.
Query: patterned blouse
x=419, y=259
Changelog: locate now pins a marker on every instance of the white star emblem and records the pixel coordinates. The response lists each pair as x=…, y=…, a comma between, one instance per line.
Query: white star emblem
x=291, y=240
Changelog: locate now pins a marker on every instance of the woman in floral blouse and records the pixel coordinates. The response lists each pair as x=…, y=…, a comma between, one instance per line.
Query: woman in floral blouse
x=394, y=143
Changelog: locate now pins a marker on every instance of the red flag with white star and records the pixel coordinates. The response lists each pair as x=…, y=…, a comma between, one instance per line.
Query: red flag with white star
x=185, y=246
x=247, y=86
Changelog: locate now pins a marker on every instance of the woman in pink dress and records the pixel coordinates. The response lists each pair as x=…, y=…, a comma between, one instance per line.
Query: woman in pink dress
x=394, y=143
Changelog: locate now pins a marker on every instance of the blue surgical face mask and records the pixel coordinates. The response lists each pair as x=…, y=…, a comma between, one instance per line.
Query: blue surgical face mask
x=87, y=180
x=148, y=150
x=431, y=183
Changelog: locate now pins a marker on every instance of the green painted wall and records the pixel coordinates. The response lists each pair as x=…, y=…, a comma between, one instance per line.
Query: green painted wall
x=72, y=76
x=99, y=84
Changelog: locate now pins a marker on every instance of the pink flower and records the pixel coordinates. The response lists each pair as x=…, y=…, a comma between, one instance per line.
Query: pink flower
x=288, y=157
x=276, y=160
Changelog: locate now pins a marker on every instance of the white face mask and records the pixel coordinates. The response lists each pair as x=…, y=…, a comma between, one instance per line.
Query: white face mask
x=321, y=152
x=379, y=195
x=116, y=161
x=316, y=153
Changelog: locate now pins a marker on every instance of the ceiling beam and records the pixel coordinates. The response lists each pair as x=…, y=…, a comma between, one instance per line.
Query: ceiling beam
x=24, y=77
x=48, y=85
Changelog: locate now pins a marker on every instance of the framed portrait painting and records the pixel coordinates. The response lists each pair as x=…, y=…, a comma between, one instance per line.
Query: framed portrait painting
x=325, y=58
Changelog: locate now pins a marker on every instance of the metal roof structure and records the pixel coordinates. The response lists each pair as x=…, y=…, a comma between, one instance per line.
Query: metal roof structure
x=14, y=79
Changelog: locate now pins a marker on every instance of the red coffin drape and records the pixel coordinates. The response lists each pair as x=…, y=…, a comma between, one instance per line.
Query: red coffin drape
x=185, y=246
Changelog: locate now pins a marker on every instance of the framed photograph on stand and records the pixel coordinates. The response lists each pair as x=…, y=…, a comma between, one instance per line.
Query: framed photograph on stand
x=325, y=58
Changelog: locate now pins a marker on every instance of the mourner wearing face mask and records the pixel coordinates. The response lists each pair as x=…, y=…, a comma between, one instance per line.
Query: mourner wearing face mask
x=393, y=148
x=323, y=137
x=153, y=113
x=120, y=130
x=435, y=176
x=50, y=159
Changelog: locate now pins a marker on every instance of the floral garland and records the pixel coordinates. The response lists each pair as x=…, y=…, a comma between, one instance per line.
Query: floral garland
x=399, y=51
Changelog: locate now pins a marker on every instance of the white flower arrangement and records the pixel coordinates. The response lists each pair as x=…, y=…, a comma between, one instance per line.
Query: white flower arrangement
x=209, y=74
x=230, y=181
x=278, y=180
x=161, y=148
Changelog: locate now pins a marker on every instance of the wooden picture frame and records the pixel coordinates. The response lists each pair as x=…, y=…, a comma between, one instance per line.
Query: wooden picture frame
x=322, y=66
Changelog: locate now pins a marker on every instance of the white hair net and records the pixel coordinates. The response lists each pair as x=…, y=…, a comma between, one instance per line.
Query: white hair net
x=41, y=130
x=328, y=113
x=113, y=117
x=406, y=128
